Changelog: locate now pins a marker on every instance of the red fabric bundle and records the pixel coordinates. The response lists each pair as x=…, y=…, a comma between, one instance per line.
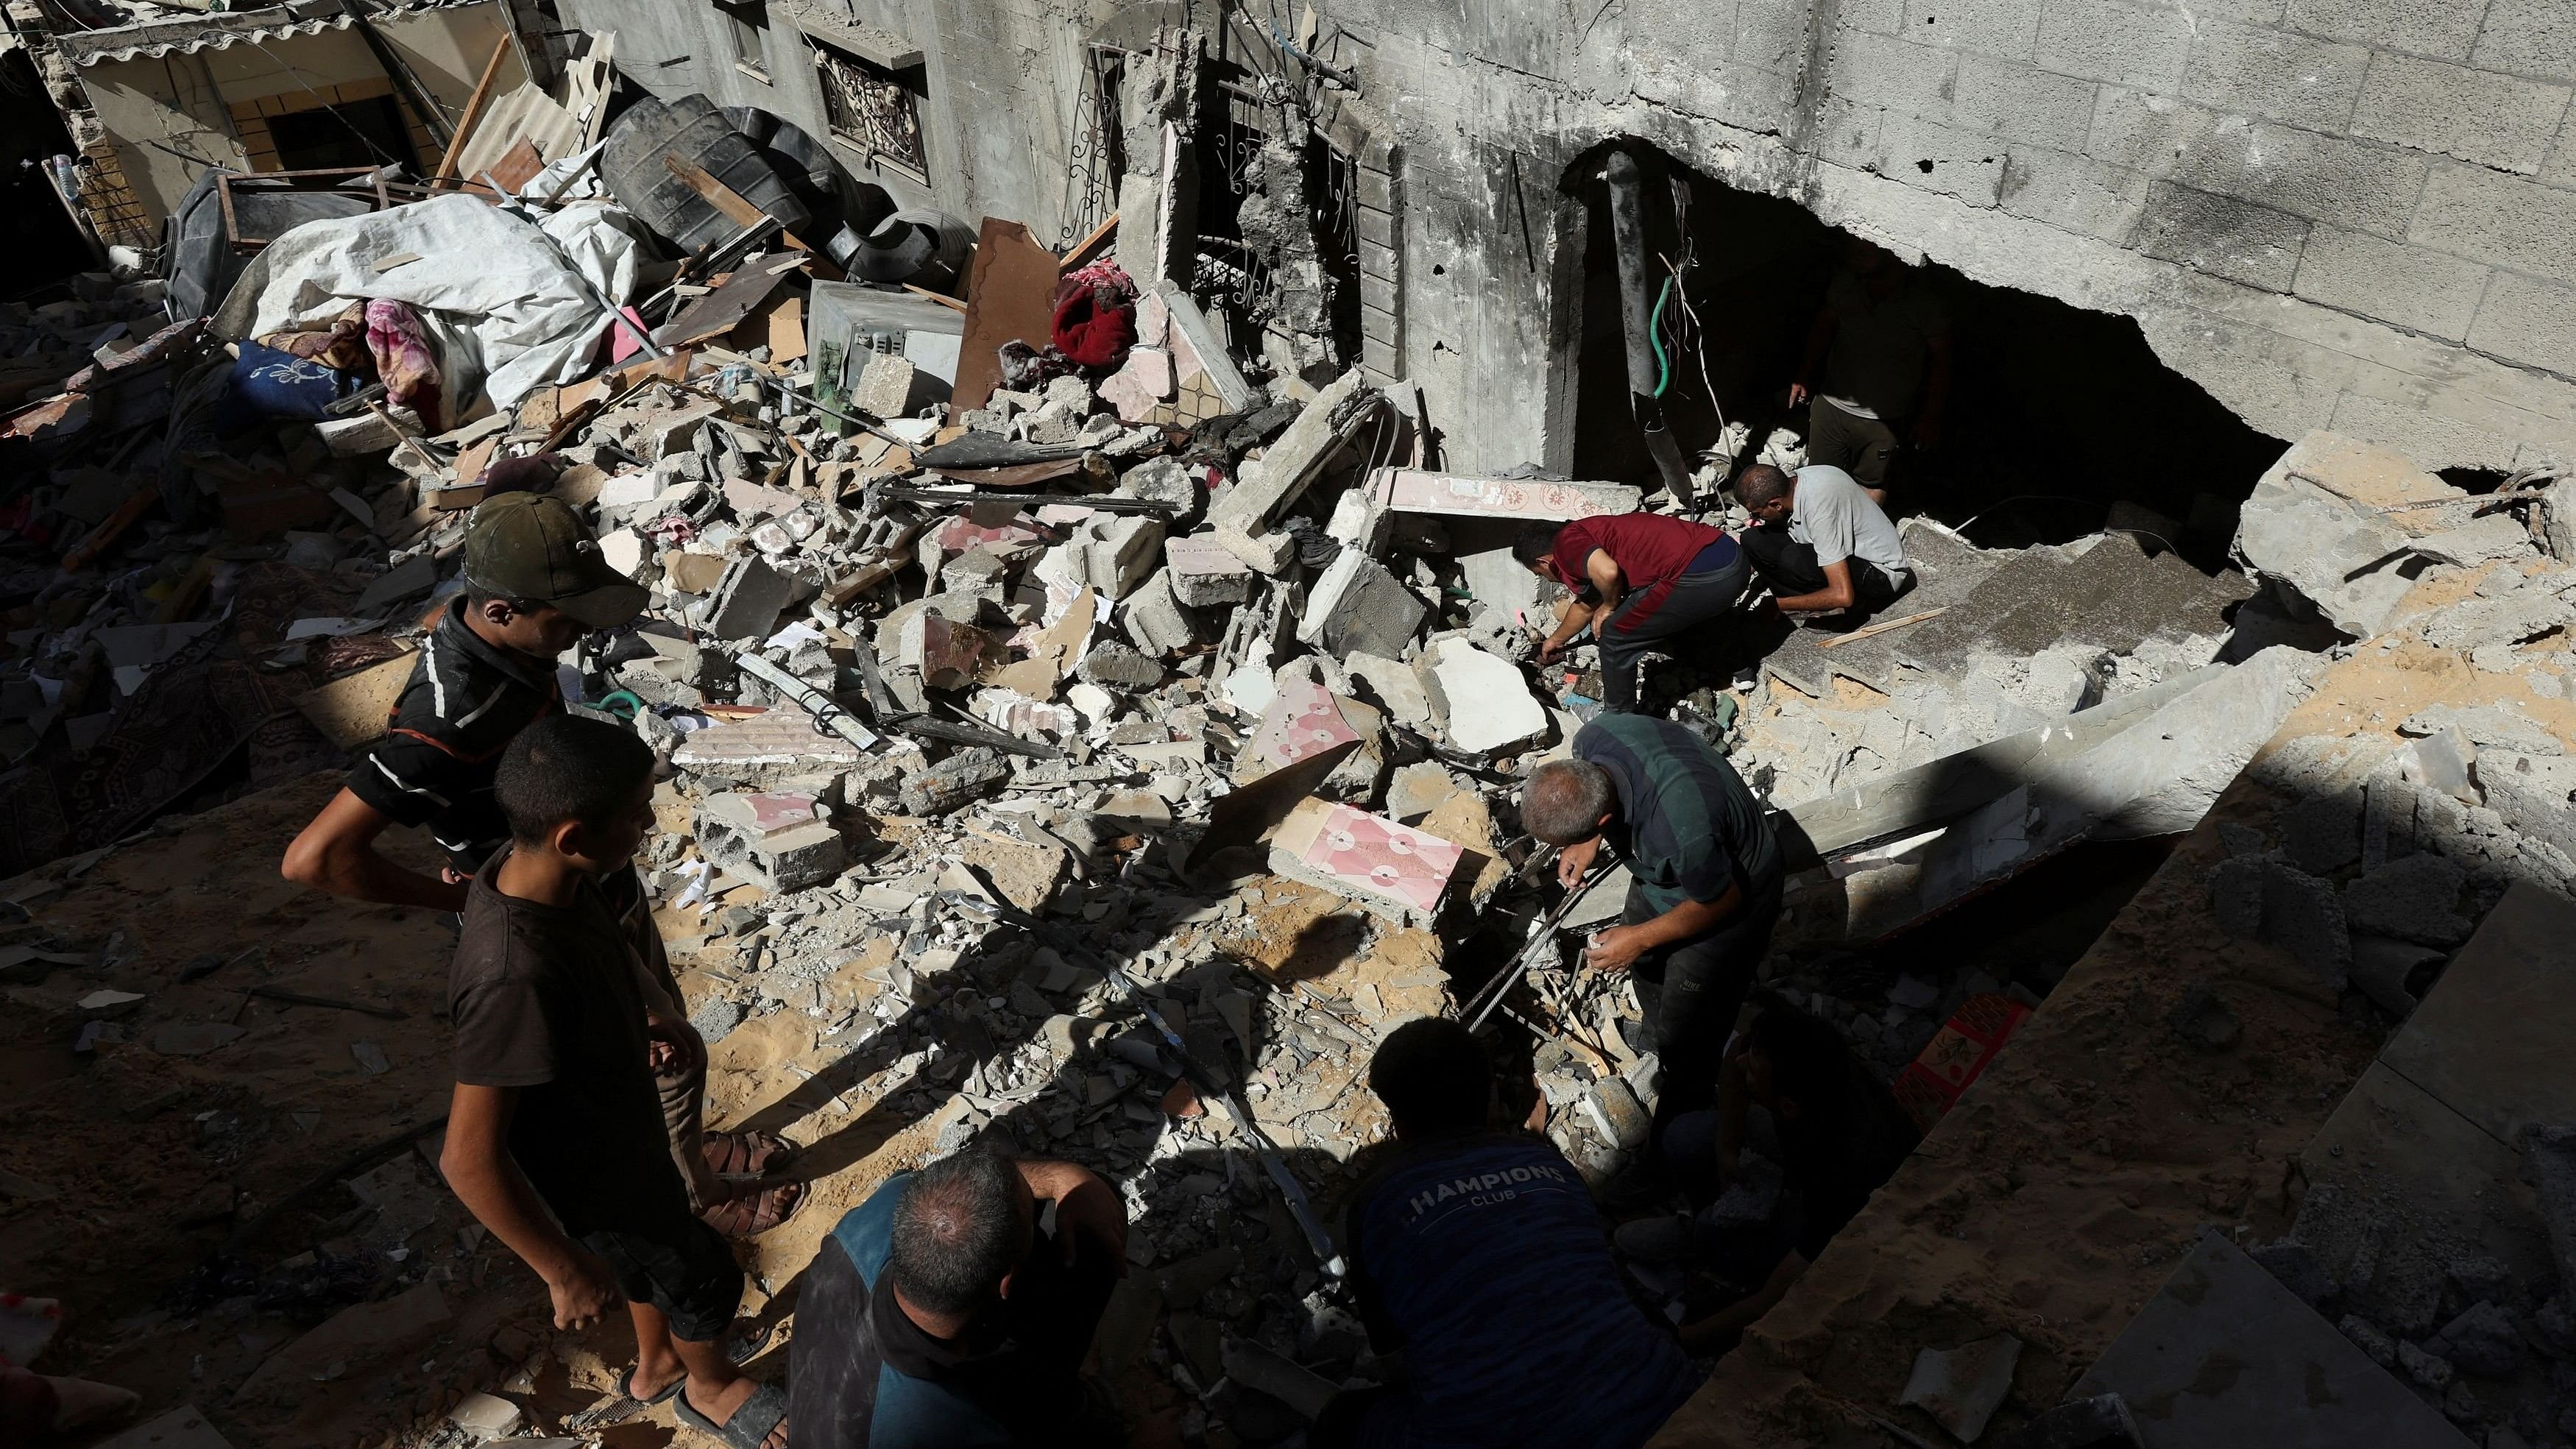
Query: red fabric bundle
x=1095, y=316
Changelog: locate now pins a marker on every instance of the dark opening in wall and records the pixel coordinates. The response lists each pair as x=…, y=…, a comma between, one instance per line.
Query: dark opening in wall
x=2054, y=412
x=351, y=133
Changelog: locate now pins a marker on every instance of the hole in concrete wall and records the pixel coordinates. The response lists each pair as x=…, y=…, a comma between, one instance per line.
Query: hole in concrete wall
x=2055, y=412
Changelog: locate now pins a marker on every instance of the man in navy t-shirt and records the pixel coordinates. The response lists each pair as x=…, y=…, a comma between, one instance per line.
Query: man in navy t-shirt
x=1479, y=1254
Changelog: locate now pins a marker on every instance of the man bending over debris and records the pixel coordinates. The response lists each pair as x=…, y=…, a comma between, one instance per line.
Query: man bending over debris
x=939, y=1313
x=1478, y=1252
x=1651, y=577
x=1705, y=889
x=555, y=1138
x=1841, y=1137
x=1822, y=544
x=535, y=584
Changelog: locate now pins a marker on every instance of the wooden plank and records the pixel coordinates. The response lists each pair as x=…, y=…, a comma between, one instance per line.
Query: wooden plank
x=1010, y=296
x=942, y=298
x=787, y=332
x=731, y=205
x=1881, y=627
x=1090, y=247
x=473, y=113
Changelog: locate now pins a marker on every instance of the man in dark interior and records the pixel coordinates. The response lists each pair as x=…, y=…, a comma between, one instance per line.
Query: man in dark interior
x=1652, y=578
x=1821, y=543
x=1841, y=1136
x=1476, y=1251
x=938, y=1314
x=1706, y=880
x=1877, y=366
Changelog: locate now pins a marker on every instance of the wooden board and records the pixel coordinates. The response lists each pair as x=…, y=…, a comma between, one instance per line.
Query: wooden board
x=1010, y=296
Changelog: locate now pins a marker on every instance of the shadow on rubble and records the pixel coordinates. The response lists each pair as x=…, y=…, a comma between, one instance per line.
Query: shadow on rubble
x=1220, y=1268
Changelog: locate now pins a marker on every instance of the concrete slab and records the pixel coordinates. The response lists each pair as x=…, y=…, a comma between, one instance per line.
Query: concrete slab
x=2110, y=594
x=2224, y=1357
x=1391, y=870
x=2444, y=1178
x=1947, y=571
x=2490, y=1040
x=1410, y=490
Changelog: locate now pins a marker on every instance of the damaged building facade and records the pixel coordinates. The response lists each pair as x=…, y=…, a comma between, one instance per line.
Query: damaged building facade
x=2326, y=217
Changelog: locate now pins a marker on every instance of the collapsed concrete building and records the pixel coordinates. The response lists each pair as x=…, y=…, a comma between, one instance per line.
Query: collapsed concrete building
x=2207, y=808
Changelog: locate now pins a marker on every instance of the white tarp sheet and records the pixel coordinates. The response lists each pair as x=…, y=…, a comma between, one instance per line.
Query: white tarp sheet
x=495, y=292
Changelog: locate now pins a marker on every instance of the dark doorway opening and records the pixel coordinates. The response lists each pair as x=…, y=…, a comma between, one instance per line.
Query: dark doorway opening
x=43, y=242
x=352, y=133
x=2055, y=412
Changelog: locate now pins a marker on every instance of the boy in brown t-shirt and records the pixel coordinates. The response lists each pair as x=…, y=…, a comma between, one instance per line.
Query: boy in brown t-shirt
x=555, y=1138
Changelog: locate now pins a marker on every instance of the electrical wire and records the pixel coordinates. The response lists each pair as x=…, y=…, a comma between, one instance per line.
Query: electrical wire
x=1655, y=339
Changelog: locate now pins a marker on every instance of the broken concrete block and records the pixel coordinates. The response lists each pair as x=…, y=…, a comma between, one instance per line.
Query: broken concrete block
x=2510, y=617
x=1299, y=455
x=1416, y=790
x=1113, y=665
x=1203, y=572
x=1140, y=385
x=1119, y=554
x=781, y=741
x=1391, y=870
x=2323, y=832
x=749, y=600
x=1267, y=553
x=964, y=776
x=2339, y=557
x=1358, y=606
x=2412, y=898
x=947, y=654
x=2486, y=726
x=1483, y=703
x=2482, y=1341
x=486, y=1416
x=1962, y=1387
x=2536, y=795
x=770, y=837
x=2486, y=540
x=623, y=550
x=1394, y=688
x=1156, y=619
x=1026, y=874
x=885, y=388
x=1410, y=490
x=692, y=573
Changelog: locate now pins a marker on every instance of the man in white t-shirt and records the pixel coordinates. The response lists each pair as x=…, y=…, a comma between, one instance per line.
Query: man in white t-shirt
x=1821, y=542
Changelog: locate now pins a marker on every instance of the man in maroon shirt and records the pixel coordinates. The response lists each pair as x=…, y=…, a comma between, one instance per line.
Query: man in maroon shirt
x=1647, y=577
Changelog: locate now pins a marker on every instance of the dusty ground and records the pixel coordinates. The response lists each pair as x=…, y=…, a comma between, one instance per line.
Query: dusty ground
x=160, y=1160
x=2055, y=1199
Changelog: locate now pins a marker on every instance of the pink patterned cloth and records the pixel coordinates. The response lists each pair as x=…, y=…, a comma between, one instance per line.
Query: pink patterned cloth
x=406, y=362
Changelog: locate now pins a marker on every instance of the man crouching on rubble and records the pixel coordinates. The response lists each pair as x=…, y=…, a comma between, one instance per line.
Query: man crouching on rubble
x=535, y=585
x=1478, y=1252
x=941, y=1312
x=555, y=1140
x=1705, y=888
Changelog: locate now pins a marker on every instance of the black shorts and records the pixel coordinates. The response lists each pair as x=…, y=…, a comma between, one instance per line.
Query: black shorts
x=686, y=1270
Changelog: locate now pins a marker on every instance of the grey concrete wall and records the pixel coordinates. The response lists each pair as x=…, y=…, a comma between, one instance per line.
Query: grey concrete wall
x=2350, y=214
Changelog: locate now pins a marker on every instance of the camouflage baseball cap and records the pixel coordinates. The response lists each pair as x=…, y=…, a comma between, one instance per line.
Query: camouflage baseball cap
x=532, y=547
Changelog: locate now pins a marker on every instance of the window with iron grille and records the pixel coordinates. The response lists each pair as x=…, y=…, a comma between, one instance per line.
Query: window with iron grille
x=870, y=109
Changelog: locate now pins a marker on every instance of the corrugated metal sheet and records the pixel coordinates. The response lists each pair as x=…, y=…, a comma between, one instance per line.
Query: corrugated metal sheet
x=188, y=34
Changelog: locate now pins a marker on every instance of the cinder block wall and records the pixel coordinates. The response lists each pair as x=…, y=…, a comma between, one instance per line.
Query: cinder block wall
x=2348, y=214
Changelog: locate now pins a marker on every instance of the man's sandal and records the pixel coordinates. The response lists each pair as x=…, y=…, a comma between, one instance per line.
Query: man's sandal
x=749, y=1425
